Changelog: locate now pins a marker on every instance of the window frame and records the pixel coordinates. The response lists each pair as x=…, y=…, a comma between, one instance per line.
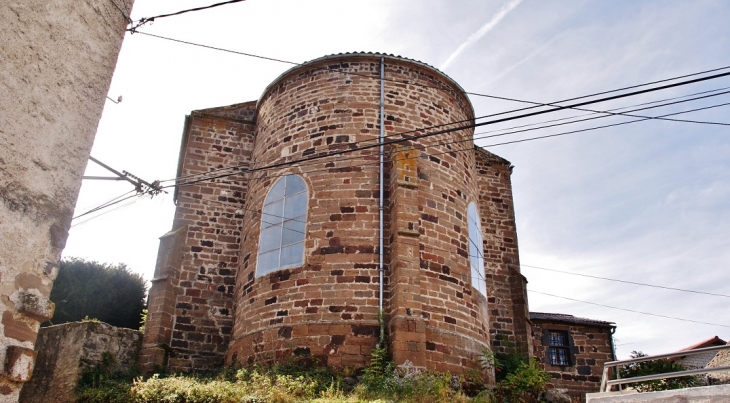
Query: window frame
x=567, y=348
x=278, y=216
x=476, y=249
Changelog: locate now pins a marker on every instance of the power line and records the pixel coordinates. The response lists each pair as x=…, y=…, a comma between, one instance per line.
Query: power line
x=643, y=118
x=108, y=204
x=593, y=128
x=434, y=154
x=473, y=125
x=372, y=76
x=606, y=111
x=143, y=21
x=535, y=105
x=626, y=281
x=124, y=13
x=215, y=48
x=206, y=174
x=422, y=155
x=114, y=209
x=628, y=310
x=108, y=201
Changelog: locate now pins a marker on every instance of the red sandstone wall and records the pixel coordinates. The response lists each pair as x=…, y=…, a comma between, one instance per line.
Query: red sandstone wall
x=507, y=295
x=591, y=348
x=328, y=308
x=436, y=318
x=190, y=302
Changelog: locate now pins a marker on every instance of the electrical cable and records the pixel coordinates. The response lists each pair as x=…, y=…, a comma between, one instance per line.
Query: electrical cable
x=124, y=13
x=629, y=114
x=594, y=128
x=143, y=21
x=628, y=310
x=496, y=114
x=372, y=76
x=200, y=175
x=103, y=206
x=627, y=281
x=109, y=211
x=96, y=205
x=221, y=49
x=445, y=152
x=475, y=125
x=339, y=152
x=607, y=111
x=265, y=175
x=535, y=104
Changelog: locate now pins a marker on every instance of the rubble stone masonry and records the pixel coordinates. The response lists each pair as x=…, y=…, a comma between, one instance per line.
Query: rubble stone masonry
x=190, y=302
x=506, y=287
x=590, y=346
x=327, y=308
x=66, y=351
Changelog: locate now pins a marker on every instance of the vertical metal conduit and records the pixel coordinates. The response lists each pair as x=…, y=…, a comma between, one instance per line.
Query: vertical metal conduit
x=381, y=269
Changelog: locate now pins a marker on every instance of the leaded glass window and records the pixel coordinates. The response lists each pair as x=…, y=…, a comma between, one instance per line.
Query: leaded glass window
x=476, y=250
x=283, y=226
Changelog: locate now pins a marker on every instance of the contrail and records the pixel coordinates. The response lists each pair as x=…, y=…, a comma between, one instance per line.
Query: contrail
x=528, y=57
x=482, y=31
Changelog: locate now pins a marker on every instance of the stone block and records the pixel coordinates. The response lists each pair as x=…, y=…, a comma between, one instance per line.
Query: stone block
x=19, y=363
x=35, y=306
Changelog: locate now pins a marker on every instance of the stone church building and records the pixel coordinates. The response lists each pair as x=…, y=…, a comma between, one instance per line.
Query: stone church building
x=286, y=216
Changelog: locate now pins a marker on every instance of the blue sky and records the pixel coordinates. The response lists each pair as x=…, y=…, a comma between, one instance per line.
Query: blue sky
x=644, y=202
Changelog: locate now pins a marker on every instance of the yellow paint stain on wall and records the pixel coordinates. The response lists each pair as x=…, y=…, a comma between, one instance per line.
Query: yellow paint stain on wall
x=405, y=160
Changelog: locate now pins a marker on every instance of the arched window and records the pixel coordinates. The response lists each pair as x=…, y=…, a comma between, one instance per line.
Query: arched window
x=476, y=250
x=283, y=224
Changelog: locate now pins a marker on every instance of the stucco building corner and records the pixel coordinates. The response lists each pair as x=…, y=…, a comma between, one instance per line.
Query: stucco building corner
x=57, y=62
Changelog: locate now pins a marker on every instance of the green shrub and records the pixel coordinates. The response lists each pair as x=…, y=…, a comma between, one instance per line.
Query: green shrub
x=656, y=367
x=102, y=383
x=111, y=294
x=291, y=382
x=108, y=391
x=519, y=379
x=404, y=383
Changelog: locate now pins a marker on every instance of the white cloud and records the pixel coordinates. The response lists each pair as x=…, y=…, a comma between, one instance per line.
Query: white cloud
x=496, y=19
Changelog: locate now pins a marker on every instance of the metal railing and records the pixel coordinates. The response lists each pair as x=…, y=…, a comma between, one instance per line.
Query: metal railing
x=605, y=383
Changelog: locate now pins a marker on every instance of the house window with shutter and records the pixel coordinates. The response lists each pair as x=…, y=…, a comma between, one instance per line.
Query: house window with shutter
x=558, y=348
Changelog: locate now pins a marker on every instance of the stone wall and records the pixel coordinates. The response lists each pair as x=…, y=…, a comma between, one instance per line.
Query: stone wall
x=697, y=360
x=57, y=61
x=327, y=308
x=721, y=359
x=65, y=351
x=590, y=347
x=437, y=319
x=190, y=302
x=506, y=287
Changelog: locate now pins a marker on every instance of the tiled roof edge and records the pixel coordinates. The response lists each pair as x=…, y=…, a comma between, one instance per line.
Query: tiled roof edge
x=561, y=317
x=366, y=54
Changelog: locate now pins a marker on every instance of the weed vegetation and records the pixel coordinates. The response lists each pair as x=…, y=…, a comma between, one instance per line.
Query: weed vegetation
x=303, y=381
